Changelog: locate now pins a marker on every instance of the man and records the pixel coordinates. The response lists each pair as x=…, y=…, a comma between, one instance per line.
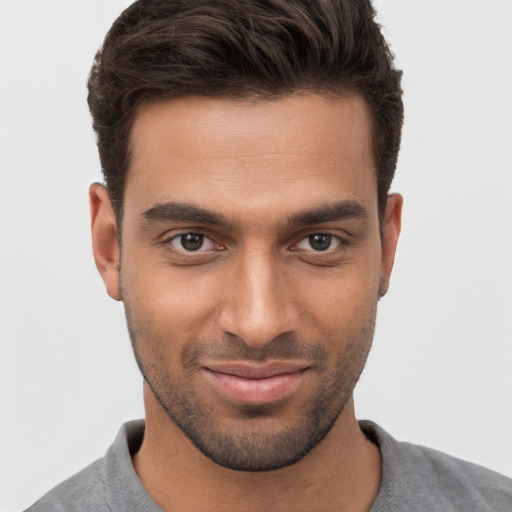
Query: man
x=248, y=150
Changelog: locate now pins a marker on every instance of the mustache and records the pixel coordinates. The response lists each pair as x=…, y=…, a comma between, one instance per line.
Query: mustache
x=287, y=346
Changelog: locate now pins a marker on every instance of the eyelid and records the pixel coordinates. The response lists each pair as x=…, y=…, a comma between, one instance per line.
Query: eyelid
x=168, y=239
x=341, y=242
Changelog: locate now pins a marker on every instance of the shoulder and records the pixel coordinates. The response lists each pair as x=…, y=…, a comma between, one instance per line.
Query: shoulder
x=110, y=483
x=84, y=491
x=459, y=481
x=419, y=478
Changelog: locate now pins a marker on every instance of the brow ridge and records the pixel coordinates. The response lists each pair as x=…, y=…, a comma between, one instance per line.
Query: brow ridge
x=347, y=209
x=173, y=211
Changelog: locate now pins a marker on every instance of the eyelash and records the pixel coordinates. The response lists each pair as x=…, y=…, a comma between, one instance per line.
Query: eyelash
x=204, y=237
x=340, y=243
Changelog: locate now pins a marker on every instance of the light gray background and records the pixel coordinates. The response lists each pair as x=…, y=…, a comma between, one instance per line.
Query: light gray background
x=440, y=372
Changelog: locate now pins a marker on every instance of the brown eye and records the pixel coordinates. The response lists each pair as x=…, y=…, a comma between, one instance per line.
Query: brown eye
x=320, y=242
x=192, y=242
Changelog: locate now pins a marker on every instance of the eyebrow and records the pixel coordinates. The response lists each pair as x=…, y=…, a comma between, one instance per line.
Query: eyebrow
x=341, y=210
x=183, y=212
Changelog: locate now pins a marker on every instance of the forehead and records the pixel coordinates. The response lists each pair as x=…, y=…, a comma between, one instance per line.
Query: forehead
x=218, y=150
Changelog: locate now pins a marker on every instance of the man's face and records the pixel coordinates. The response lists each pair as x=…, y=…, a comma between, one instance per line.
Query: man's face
x=251, y=267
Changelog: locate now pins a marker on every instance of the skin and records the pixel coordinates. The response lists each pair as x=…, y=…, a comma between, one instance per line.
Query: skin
x=257, y=290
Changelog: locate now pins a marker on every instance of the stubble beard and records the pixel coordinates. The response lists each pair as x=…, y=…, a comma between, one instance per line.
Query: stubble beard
x=251, y=446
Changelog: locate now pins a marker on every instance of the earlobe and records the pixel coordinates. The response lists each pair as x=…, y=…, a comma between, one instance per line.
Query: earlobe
x=104, y=239
x=392, y=223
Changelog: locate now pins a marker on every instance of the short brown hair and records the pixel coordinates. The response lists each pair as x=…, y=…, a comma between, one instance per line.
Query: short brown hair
x=160, y=49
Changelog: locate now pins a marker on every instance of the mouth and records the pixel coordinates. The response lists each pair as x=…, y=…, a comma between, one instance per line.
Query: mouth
x=256, y=384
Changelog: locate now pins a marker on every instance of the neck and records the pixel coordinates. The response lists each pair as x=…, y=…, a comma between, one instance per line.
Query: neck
x=342, y=472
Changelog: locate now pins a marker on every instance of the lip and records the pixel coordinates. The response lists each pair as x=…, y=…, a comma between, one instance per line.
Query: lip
x=256, y=384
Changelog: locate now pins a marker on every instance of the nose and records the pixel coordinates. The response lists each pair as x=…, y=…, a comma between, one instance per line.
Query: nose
x=258, y=303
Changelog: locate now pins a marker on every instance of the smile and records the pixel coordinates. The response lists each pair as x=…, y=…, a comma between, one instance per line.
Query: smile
x=256, y=385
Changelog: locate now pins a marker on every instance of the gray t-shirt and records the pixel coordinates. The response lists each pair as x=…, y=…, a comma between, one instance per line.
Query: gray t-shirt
x=414, y=479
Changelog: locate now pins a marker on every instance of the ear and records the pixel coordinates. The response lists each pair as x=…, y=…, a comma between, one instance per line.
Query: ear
x=392, y=224
x=104, y=238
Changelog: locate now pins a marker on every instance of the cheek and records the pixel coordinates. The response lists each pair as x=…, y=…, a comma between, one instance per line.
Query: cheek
x=341, y=302
x=172, y=307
